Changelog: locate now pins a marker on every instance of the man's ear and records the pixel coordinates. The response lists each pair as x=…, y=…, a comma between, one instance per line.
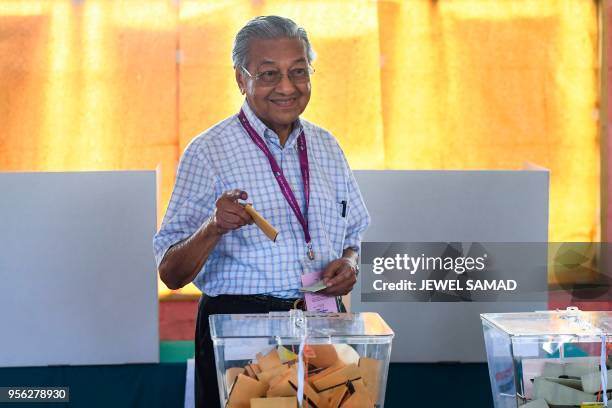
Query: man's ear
x=240, y=80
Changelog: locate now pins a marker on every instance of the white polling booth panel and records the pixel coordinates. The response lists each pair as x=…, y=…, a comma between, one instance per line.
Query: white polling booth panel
x=79, y=282
x=451, y=206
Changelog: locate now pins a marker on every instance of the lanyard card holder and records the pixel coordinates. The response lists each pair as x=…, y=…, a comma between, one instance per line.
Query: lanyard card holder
x=312, y=285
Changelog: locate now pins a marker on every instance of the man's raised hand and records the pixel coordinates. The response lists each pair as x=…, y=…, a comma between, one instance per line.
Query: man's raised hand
x=229, y=213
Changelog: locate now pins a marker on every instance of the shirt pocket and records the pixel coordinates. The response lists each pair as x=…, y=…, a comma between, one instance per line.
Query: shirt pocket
x=343, y=208
x=334, y=224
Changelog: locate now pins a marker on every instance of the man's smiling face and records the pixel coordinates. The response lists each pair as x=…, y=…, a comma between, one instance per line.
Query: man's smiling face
x=279, y=105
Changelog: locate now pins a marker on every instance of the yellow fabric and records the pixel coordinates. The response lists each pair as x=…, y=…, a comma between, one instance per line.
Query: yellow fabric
x=448, y=84
x=492, y=84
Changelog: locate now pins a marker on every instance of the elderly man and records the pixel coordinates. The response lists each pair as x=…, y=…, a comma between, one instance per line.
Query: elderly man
x=292, y=171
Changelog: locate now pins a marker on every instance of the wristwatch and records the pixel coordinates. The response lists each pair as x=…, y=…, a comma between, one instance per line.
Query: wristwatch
x=356, y=267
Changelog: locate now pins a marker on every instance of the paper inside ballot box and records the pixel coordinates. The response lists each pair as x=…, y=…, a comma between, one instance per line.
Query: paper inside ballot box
x=279, y=386
x=359, y=386
x=310, y=395
x=244, y=389
x=591, y=382
x=252, y=370
x=334, y=396
x=358, y=399
x=324, y=355
x=286, y=386
x=276, y=402
x=558, y=394
x=568, y=382
x=342, y=396
x=570, y=369
x=362, y=398
x=325, y=372
x=370, y=372
x=285, y=354
x=268, y=375
x=270, y=360
x=321, y=355
x=347, y=354
x=329, y=383
x=231, y=374
x=341, y=376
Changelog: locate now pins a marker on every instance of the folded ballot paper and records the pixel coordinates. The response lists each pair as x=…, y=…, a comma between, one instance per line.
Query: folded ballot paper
x=568, y=385
x=591, y=382
x=315, y=287
x=556, y=393
x=335, y=376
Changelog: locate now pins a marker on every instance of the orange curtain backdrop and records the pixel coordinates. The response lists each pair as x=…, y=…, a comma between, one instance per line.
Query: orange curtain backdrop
x=88, y=86
x=470, y=84
x=448, y=84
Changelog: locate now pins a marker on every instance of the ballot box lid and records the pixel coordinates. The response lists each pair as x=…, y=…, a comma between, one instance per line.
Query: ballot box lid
x=571, y=321
x=317, y=327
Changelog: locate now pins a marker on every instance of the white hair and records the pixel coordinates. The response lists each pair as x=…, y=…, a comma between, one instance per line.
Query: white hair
x=267, y=27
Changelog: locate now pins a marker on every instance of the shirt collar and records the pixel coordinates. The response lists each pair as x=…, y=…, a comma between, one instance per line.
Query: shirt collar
x=269, y=135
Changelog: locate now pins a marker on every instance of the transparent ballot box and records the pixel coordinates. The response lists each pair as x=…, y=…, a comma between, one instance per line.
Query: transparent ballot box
x=291, y=359
x=550, y=358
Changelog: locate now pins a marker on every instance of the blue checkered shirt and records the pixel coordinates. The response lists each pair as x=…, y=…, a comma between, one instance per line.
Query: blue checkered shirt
x=245, y=261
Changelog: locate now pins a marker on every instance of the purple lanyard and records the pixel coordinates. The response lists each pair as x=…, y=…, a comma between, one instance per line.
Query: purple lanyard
x=280, y=177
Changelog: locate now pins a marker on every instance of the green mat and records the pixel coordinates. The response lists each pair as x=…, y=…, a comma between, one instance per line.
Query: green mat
x=176, y=351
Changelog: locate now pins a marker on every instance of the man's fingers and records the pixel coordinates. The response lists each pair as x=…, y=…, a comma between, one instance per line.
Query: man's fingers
x=230, y=221
x=236, y=195
x=245, y=217
x=345, y=274
x=340, y=289
x=229, y=218
x=229, y=211
x=239, y=210
x=331, y=270
x=345, y=287
x=337, y=273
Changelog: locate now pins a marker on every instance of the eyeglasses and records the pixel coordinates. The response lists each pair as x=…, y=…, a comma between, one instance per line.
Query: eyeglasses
x=273, y=77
